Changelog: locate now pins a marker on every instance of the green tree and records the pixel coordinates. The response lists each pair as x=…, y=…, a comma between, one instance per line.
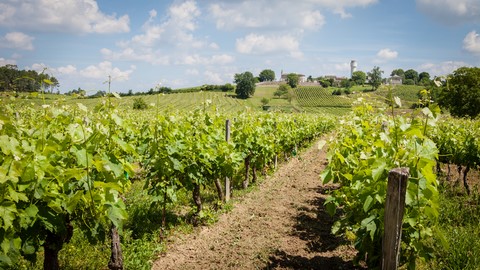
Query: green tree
x=292, y=80
x=424, y=78
x=461, y=95
x=245, y=84
x=324, y=83
x=227, y=87
x=346, y=83
x=359, y=77
x=282, y=90
x=375, y=77
x=13, y=79
x=412, y=75
x=409, y=82
x=267, y=75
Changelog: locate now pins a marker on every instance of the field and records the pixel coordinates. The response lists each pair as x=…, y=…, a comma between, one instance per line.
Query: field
x=407, y=93
x=315, y=101
x=154, y=174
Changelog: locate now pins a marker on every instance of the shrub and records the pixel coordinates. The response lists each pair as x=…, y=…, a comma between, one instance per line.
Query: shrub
x=337, y=92
x=282, y=90
x=139, y=104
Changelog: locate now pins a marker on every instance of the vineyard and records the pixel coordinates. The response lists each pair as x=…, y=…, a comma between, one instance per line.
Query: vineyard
x=317, y=96
x=176, y=101
x=71, y=170
x=367, y=146
x=407, y=93
x=73, y=176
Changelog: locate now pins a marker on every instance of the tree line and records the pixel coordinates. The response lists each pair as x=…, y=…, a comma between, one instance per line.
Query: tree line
x=14, y=79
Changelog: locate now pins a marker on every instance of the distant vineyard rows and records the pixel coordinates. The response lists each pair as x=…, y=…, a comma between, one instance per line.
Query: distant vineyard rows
x=317, y=96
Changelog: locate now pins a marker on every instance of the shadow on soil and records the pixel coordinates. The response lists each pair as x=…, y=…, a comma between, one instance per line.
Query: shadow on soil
x=314, y=226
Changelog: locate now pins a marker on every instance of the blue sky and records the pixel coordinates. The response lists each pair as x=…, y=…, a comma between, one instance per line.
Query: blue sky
x=182, y=43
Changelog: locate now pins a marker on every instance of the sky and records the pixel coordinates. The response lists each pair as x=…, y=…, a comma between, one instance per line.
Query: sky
x=143, y=44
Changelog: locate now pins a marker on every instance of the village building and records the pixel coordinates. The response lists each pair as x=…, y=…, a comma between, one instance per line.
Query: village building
x=301, y=77
x=395, y=80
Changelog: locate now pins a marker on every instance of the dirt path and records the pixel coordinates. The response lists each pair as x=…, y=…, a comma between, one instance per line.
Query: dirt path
x=281, y=225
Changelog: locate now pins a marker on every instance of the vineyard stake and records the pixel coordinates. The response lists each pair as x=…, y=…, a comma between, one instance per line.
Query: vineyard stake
x=394, y=210
x=227, y=180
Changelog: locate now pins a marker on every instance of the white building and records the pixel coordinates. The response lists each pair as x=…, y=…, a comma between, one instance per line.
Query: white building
x=301, y=78
x=353, y=67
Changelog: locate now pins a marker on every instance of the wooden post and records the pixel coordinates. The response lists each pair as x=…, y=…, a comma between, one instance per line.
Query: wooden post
x=227, y=180
x=394, y=210
x=116, y=257
x=275, y=164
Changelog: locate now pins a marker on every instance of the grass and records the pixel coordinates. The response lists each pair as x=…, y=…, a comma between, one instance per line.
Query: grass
x=224, y=101
x=459, y=226
x=407, y=93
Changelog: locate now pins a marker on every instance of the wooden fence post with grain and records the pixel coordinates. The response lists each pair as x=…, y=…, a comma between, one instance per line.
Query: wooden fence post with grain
x=394, y=210
x=227, y=180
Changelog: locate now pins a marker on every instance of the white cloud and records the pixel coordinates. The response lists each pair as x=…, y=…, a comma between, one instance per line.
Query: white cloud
x=260, y=44
x=312, y=20
x=451, y=11
x=214, y=46
x=471, y=43
x=17, y=40
x=69, y=69
x=148, y=55
x=154, y=44
x=193, y=72
x=221, y=59
x=105, y=69
x=342, y=67
x=195, y=59
x=443, y=68
x=212, y=77
x=99, y=71
x=78, y=16
x=4, y=62
x=279, y=14
x=387, y=54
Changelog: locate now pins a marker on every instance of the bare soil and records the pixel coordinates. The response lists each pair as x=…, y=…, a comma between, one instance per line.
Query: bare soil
x=450, y=175
x=282, y=224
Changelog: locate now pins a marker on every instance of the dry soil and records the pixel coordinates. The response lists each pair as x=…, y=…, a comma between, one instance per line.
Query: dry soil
x=282, y=224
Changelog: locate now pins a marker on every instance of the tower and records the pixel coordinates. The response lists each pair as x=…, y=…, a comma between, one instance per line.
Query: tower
x=353, y=67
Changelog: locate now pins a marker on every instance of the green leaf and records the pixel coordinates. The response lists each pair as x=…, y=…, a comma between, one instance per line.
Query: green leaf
x=426, y=111
x=7, y=212
x=116, y=215
x=372, y=228
x=398, y=102
x=73, y=201
x=116, y=95
x=16, y=196
x=340, y=157
x=80, y=155
x=108, y=185
x=118, y=121
x=369, y=225
x=82, y=107
x=321, y=144
x=326, y=175
x=367, y=204
x=31, y=210
x=378, y=169
x=28, y=174
x=336, y=227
